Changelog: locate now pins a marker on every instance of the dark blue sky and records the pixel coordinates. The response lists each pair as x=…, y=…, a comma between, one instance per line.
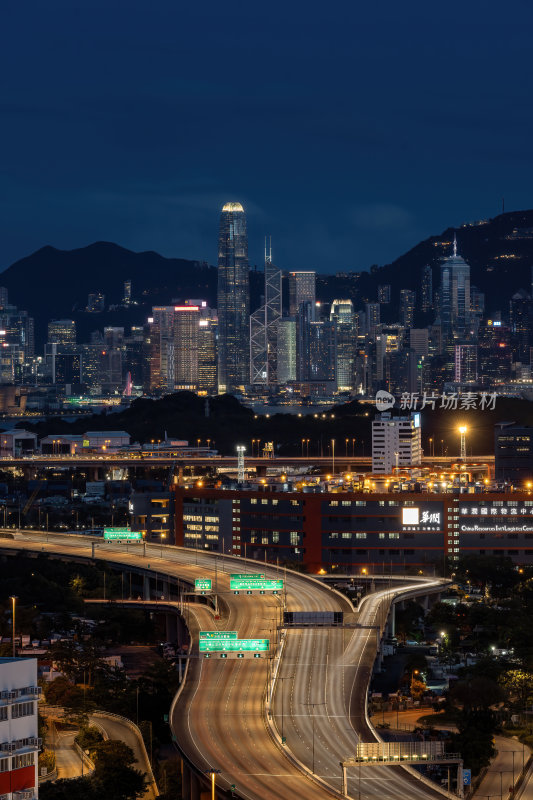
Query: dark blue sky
x=348, y=130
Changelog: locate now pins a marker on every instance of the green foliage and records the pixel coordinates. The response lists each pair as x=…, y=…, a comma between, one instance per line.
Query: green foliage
x=47, y=759
x=61, y=692
x=89, y=737
x=518, y=685
x=408, y=619
x=70, y=789
x=113, y=775
x=169, y=779
x=475, y=698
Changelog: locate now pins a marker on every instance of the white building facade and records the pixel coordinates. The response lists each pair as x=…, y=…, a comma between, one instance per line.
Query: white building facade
x=19, y=742
x=396, y=443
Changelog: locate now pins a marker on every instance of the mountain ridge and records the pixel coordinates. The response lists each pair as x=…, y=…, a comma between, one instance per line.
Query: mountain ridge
x=499, y=251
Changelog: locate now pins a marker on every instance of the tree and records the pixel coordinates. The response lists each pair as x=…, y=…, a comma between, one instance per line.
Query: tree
x=475, y=696
x=114, y=775
x=89, y=737
x=518, y=685
x=69, y=789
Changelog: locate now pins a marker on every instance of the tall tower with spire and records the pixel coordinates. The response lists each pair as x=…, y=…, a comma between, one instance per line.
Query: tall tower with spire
x=455, y=295
x=264, y=327
x=233, y=300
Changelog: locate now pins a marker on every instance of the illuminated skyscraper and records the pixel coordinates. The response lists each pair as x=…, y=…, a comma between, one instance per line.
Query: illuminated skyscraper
x=233, y=300
x=455, y=295
x=407, y=307
x=302, y=289
x=264, y=328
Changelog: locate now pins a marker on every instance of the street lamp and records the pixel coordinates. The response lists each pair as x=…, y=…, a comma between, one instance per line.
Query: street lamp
x=333, y=456
x=313, y=705
x=212, y=773
x=13, y=600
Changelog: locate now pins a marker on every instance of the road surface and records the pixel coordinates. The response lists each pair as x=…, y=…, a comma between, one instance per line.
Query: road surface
x=219, y=717
x=116, y=728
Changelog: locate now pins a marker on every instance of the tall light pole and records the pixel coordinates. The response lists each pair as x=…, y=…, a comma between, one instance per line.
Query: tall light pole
x=13, y=600
x=333, y=457
x=313, y=705
x=462, y=430
x=240, y=463
x=212, y=773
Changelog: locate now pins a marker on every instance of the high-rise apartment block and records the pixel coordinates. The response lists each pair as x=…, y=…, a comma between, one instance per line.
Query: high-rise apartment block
x=384, y=293
x=396, y=442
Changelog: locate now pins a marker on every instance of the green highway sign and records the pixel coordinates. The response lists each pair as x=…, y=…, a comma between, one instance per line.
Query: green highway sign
x=203, y=585
x=220, y=635
x=234, y=645
x=121, y=534
x=252, y=583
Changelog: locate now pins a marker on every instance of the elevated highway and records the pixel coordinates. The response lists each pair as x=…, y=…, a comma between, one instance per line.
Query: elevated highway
x=318, y=697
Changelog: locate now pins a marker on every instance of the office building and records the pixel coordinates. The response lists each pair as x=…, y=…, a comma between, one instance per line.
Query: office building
x=302, y=289
x=494, y=352
x=396, y=442
x=233, y=300
x=316, y=346
x=19, y=735
x=419, y=341
x=341, y=314
x=349, y=531
x=455, y=298
x=513, y=454
x=264, y=328
x=426, y=289
x=521, y=321
x=207, y=351
x=373, y=317
x=186, y=328
x=62, y=332
x=286, y=350
x=465, y=363
x=407, y=307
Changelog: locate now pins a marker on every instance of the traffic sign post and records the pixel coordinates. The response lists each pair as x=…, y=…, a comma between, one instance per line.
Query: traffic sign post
x=232, y=645
x=254, y=583
x=203, y=585
x=122, y=535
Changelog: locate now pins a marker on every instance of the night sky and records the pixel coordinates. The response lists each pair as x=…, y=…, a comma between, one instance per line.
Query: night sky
x=348, y=130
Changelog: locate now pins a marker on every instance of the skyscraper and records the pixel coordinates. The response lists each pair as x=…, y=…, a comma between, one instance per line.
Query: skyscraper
x=455, y=295
x=302, y=289
x=427, y=288
x=407, y=307
x=233, y=300
x=264, y=328
x=341, y=314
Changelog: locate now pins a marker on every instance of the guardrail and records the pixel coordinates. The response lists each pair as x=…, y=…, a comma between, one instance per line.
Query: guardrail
x=133, y=727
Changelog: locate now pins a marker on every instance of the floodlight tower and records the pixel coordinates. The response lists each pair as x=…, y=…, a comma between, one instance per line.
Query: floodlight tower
x=462, y=430
x=240, y=463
